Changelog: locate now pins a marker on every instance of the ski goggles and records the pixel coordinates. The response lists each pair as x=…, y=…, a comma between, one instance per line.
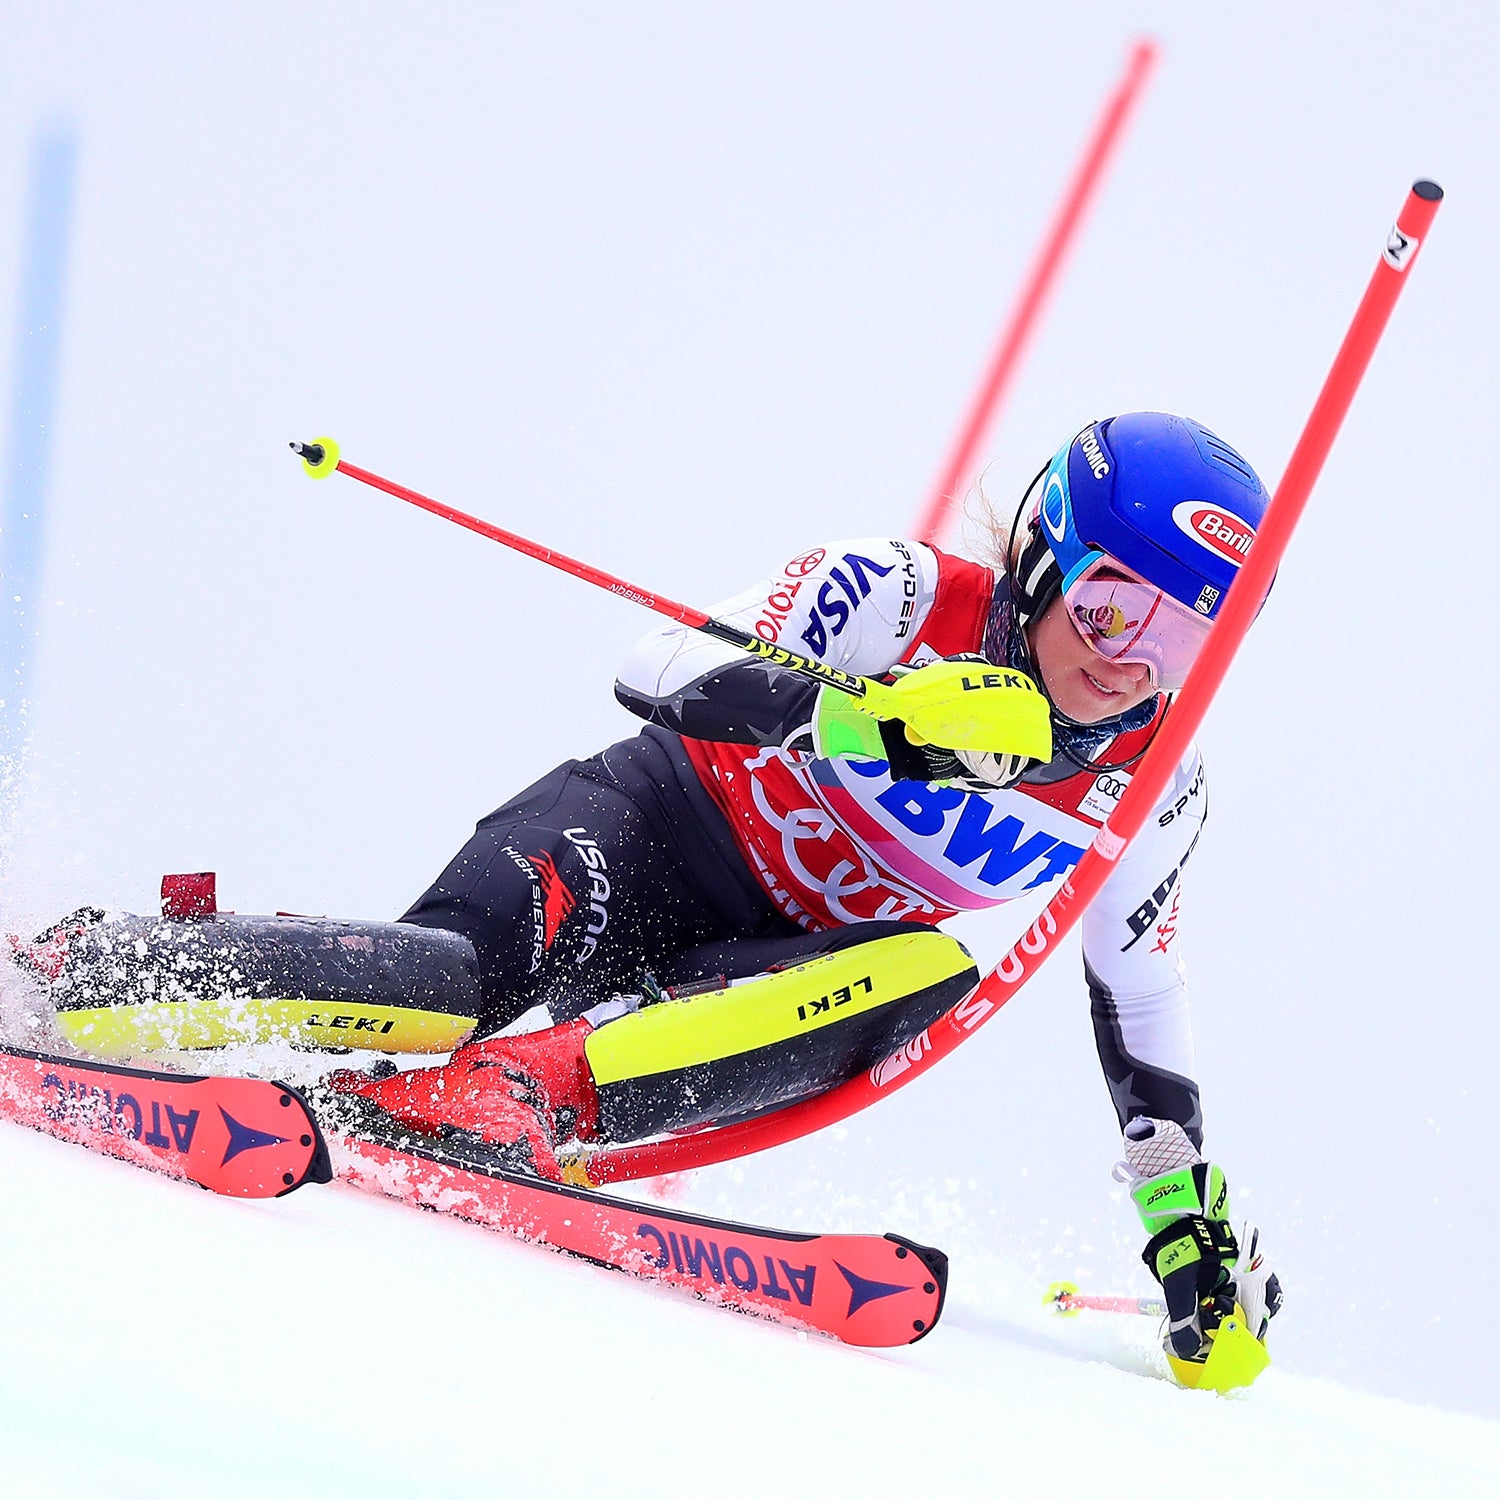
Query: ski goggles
x=1122, y=618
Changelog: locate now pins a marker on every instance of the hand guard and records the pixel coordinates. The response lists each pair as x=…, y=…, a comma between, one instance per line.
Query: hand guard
x=997, y=719
x=1206, y=1273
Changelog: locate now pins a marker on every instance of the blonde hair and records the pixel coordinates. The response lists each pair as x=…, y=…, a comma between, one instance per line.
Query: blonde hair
x=994, y=534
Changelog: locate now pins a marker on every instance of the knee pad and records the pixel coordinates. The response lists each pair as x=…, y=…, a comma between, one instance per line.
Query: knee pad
x=129, y=985
x=752, y=1045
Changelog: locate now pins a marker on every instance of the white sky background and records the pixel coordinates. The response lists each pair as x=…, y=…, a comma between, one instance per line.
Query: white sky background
x=682, y=290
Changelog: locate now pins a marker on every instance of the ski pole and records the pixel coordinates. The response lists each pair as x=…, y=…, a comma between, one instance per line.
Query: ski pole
x=978, y=716
x=1036, y=289
x=1044, y=936
x=1067, y=1300
x=321, y=458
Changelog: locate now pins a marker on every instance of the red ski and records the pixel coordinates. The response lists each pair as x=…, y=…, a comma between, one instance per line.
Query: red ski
x=241, y=1136
x=867, y=1289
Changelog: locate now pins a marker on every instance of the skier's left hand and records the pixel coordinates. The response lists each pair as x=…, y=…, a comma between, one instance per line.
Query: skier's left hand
x=997, y=723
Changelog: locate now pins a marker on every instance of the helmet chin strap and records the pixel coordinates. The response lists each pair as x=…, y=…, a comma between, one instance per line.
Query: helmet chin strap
x=1061, y=724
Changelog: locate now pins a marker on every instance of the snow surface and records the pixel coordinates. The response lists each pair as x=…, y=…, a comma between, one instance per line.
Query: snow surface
x=683, y=289
x=162, y=1341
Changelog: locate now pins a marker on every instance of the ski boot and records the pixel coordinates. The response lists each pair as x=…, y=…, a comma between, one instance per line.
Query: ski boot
x=521, y=1093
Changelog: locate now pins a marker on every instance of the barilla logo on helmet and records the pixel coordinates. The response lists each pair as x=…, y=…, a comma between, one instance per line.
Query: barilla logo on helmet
x=1214, y=527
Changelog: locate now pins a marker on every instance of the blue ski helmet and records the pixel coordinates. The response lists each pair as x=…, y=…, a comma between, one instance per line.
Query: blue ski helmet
x=1162, y=495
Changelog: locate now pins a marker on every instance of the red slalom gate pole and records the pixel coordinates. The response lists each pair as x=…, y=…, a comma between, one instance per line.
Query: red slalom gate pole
x=1177, y=732
x=1036, y=289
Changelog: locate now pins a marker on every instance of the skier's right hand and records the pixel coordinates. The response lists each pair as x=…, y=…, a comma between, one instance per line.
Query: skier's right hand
x=1193, y=1258
x=1203, y=1268
x=959, y=720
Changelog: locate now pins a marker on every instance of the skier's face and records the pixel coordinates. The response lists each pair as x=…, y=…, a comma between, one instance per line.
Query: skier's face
x=1082, y=684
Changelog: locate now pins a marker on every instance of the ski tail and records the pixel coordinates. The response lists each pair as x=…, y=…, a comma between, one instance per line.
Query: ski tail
x=245, y=1137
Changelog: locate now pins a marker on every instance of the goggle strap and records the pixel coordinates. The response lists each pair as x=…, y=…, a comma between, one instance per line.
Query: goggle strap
x=1033, y=568
x=1035, y=561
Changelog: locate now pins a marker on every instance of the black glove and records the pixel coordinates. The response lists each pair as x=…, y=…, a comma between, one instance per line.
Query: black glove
x=1203, y=1268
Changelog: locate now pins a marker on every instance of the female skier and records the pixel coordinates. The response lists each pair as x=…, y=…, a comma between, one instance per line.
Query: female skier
x=738, y=907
